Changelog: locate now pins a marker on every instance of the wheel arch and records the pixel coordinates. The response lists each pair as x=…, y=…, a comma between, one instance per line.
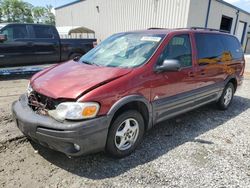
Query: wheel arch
x=135, y=102
x=233, y=80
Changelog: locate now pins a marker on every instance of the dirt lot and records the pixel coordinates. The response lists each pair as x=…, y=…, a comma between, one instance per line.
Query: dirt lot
x=202, y=148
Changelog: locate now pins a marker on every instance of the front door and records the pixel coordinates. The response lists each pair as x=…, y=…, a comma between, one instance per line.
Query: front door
x=170, y=90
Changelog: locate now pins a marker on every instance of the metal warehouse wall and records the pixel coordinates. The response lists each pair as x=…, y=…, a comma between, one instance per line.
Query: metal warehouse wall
x=113, y=16
x=198, y=13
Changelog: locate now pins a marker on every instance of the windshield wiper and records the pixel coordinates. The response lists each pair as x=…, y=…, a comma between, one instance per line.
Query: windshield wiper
x=90, y=63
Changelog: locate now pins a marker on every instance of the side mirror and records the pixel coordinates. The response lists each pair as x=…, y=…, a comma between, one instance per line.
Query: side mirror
x=170, y=65
x=3, y=38
x=76, y=58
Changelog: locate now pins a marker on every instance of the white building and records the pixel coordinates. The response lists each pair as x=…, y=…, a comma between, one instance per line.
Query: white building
x=106, y=17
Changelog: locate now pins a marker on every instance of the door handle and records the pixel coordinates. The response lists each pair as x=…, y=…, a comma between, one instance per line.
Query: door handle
x=191, y=74
x=202, y=72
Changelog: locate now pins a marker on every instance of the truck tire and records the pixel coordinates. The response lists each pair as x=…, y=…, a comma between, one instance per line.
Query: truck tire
x=125, y=134
x=75, y=56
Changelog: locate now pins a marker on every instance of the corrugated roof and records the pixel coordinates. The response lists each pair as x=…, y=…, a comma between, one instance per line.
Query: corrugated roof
x=232, y=6
x=68, y=4
x=220, y=1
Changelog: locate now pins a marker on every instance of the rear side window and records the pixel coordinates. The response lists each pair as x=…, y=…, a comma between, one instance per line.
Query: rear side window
x=233, y=46
x=209, y=47
x=43, y=32
x=179, y=47
x=214, y=48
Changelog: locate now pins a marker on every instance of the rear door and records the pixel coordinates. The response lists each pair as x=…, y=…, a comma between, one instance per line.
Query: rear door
x=17, y=50
x=46, y=44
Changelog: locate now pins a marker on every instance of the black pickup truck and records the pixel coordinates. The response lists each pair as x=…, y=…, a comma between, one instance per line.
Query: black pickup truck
x=36, y=44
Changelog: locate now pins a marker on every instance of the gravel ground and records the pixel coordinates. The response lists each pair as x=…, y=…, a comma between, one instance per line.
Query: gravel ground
x=202, y=148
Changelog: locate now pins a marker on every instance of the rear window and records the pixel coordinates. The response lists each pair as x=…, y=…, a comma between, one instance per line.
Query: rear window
x=214, y=48
x=43, y=32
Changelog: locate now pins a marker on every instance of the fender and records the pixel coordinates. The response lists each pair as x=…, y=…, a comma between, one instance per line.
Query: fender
x=132, y=98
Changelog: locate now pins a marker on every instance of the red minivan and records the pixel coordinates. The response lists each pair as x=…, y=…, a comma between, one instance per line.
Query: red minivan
x=109, y=97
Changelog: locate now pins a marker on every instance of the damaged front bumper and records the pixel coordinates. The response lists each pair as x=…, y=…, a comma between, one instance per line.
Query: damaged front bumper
x=73, y=138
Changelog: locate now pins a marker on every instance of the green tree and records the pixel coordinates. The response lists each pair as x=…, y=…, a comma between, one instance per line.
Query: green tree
x=49, y=16
x=43, y=15
x=23, y=12
x=16, y=11
x=1, y=15
x=38, y=13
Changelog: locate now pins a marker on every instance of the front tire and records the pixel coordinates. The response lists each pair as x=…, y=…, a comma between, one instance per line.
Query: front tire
x=125, y=134
x=226, y=97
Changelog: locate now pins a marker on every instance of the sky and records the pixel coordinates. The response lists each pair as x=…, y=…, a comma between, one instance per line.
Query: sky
x=243, y=4
x=54, y=3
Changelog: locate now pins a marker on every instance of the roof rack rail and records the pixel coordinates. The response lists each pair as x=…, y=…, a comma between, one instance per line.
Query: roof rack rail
x=194, y=28
x=152, y=28
x=209, y=29
x=180, y=28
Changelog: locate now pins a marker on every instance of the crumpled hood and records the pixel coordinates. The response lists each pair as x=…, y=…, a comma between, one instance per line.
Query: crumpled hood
x=71, y=79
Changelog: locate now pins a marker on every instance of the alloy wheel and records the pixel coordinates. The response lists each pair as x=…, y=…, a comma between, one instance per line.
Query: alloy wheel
x=126, y=134
x=228, y=96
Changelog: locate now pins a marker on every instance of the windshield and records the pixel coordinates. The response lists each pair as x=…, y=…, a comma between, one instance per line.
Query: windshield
x=123, y=50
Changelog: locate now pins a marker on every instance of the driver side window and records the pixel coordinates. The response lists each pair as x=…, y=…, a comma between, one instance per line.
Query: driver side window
x=179, y=48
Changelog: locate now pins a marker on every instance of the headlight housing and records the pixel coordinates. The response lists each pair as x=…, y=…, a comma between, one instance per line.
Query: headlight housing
x=75, y=111
x=29, y=89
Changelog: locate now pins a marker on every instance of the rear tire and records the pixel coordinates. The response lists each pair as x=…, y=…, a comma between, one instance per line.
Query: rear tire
x=226, y=97
x=125, y=134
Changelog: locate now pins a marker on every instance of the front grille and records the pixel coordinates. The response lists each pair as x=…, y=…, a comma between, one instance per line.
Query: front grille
x=41, y=103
